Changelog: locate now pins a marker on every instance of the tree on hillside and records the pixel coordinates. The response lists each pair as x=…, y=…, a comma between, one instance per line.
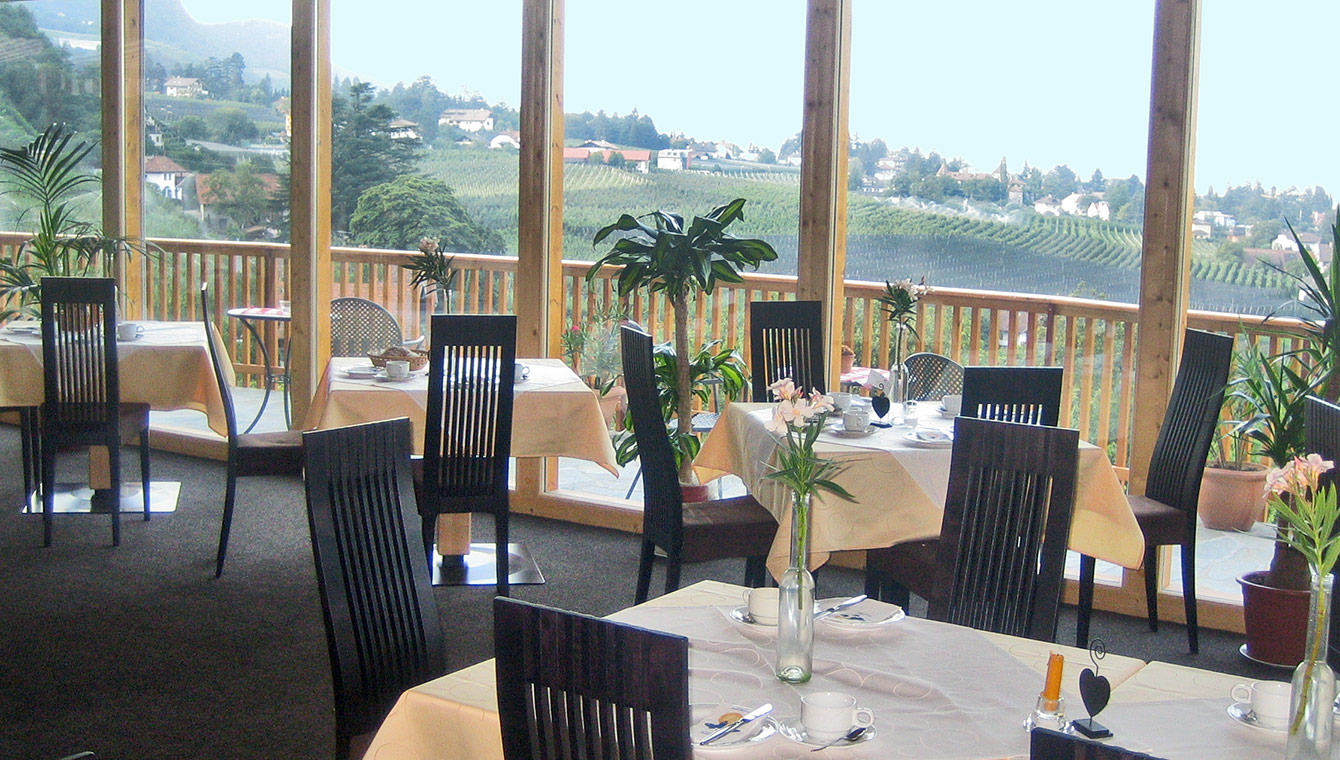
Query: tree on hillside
x=1060, y=182
x=243, y=195
x=766, y=156
x=231, y=126
x=400, y=213
x=38, y=80
x=422, y=103
x=362, y=151
x=1096, y=182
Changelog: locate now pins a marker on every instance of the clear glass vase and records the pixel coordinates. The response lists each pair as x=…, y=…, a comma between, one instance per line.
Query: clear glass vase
x=1312, y=699
x=795, y=613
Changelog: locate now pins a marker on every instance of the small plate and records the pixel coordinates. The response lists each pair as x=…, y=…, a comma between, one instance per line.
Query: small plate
x=864, y=615
x=119, y=339
x=709, y=718
x=1244, y=715
x=363, y=372
x=385, y=379
x=945, y=413
x=794, y=730
x=741, y=615
x=928, y=439
x=842, y=432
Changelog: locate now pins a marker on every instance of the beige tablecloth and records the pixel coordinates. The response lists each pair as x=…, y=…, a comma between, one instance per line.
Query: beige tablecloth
x=555, y=413
x=168, y=368
x=899, y=490
x=938, y=691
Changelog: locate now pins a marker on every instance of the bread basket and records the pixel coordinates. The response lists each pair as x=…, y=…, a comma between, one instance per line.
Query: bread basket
x=417, y=361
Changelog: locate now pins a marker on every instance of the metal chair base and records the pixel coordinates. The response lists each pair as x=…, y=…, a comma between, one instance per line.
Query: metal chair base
x=480, y=568
x=78, y=498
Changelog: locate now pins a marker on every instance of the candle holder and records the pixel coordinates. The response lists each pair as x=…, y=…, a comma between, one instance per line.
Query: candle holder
x=1047, y=713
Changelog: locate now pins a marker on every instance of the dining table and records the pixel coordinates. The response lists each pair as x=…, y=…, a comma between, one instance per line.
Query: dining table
x=167, y=367
x=937, y=691
x=898, y=484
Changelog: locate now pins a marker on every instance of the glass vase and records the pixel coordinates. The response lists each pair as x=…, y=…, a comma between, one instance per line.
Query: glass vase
x=795, y=613
x=1312, y=698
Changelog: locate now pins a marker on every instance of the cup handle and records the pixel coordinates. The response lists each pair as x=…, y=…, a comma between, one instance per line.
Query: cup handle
x=863, y=716
x=746, y=594
x=1241, y=693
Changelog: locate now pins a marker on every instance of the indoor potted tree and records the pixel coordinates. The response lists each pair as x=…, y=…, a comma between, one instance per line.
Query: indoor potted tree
x=680, y=260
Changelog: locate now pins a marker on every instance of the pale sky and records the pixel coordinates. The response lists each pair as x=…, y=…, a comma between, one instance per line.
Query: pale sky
x=1042, y=81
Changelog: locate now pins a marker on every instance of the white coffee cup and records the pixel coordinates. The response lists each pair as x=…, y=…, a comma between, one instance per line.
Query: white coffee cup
x=856, y=420
x=1268, y=700
x=953, y=404
x=397, y=369
x=129, y=330
x=841, y=401
x=521, y=372
x=762, y=605
x=830, y=714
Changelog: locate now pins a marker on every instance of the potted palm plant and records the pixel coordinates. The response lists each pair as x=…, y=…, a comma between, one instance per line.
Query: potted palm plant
x=680, y=260
x=1232, y=489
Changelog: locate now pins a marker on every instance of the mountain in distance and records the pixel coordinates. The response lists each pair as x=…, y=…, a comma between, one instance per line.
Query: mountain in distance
x=173, y=36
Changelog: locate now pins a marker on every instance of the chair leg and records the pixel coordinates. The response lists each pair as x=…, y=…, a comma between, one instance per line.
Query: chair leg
x=1084, y=610
x=644, y=571
x=672, y=569
x=48, y=489
x=501, y=532
x=1189, y=595
x=226, y=527
x=26, y=439
x=429, y=528
x=1151, y=586
x=114, y=469
x=754, y=570
x=144, y=469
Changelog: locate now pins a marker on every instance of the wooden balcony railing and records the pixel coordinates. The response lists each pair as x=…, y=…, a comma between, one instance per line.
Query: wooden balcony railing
x=1093, y=340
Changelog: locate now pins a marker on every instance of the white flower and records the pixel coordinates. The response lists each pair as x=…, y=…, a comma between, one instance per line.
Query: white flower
x=784, y=389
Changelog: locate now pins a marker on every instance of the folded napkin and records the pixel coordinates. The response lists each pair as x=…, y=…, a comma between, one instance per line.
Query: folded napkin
x=933, y=436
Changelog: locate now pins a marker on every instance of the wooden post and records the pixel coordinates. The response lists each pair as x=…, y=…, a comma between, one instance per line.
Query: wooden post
x=1165, y=270
x=123, y=141
x=539, y=269
x=309, y=251
x=821, y=263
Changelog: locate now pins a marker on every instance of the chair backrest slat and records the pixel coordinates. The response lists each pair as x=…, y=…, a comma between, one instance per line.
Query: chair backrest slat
x=786, y=339
x=80, y=374
x=359, y=327
x=382, y=624
x=663, y=504
x=575, y=686
x=932, y=376
x=1178, y=461
x=1028, y=395
x=1007, y=520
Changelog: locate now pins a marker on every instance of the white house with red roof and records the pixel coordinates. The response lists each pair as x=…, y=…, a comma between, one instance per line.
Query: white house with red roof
x=166, y=175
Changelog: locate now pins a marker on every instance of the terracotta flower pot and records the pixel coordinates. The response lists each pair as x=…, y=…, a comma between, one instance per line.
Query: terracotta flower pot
x=1232, y=499
x=694, y=493
x=1276, y=620
x=848, y=360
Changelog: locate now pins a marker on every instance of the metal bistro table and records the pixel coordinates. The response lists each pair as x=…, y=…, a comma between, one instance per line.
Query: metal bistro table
x=249, y=316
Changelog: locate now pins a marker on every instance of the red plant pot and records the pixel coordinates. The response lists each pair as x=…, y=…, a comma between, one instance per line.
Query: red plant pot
x=1276, y=620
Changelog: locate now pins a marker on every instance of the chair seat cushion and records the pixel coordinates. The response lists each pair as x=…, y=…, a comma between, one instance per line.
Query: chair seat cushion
x=912, y=564
x=277, y=453
x=725, y=528
x=1160, y=523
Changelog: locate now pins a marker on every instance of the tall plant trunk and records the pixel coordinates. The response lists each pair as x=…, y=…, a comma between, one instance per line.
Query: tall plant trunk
x=684, y=404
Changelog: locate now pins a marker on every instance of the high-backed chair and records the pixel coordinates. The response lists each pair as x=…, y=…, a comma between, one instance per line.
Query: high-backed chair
x=82, y=386
x=1045, y=744
x=575, y=686
x=359, y=327
x=30, y=443
x=1030, y=395
x=382, y=624
x=786, y=339
x=468, y=430
x=695, y=532
x=1001, y=554
x=932, y=376
x=1166, y=511
x=1321, y=430
x=249, y=454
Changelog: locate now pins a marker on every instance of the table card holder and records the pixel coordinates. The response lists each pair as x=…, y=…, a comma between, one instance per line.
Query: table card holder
x=1095, y=691
x=1049, y=711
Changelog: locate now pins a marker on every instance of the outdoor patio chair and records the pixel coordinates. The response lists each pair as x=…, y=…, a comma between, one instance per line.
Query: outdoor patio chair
x=786, y=339
x=81, y=381
x=1166, y=511
x=932, y=376
x=359, y=327
x=1321, y=430
x=382, y=624
x=572, y=685
x=695, y=532
x=249, y=454
x=1030, y=395
x=468, y=427
x=1045, y=744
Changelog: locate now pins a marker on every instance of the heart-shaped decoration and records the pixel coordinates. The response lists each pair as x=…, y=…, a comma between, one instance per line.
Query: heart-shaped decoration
x=880, y=404
x=1095, y=690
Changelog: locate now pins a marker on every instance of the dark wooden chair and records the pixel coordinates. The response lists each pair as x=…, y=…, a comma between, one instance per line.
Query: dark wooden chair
x=786, y=339
x=695, y=532
x=30, y=443
x=1167, y=510
x=382, y=624
x=1031, y=395
x=359, y=327
x=1045, y=744
x=1001, y=554
x=575, y=686
x=81, y=382
x=468, y=430
x=932, y=376
x=1321, y=430
x=249, y=454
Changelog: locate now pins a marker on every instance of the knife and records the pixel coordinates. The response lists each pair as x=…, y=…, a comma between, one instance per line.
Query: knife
x=841, y=606
x=726, y=729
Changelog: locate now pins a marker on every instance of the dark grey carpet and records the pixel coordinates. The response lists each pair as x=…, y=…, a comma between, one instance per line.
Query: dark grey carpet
x=139, y=653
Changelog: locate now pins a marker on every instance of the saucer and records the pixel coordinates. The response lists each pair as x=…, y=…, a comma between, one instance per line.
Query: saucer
x=928, y=439
x=841, y=432
x=945, y=413
x=708, y=718
x=363, y=371
x=1243, y=714
x=138, y=336
x=385, y=379
x=794, y=730
x=741, y=615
